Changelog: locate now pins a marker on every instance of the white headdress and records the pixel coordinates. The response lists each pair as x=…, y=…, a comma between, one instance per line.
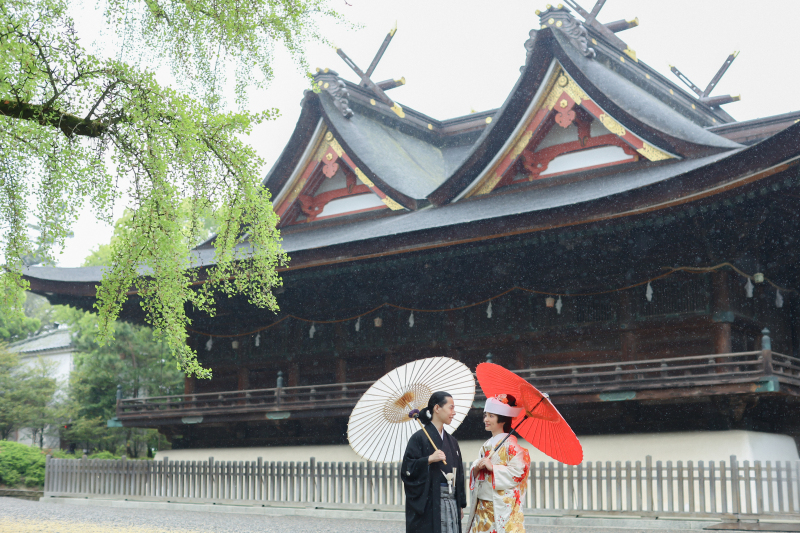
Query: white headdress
x=499, y=406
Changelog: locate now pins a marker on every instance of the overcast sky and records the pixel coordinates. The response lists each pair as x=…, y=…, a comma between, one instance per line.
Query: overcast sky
x=459, y=56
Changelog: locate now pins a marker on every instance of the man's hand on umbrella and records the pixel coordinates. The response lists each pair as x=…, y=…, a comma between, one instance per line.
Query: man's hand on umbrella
x=437, y=456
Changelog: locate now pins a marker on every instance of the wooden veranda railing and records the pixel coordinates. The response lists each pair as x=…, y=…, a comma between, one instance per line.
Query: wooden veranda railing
x=654, y=488
x=596, y=378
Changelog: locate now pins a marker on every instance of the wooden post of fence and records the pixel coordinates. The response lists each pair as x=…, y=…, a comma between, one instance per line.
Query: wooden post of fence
x=690, y=477
x=314, y=485
x=589, y=488
x=789, y=489
x=670, y=488
x=712, y=487
x=759, y=488
x=570, y=487
x=82, y=476
x=735, y=489
x=639, y=505
x=797, y=478
x=163, y=480
x=211, y=480
x=580, y=502
x=723, y=486
x=649, y=481
x=552, y=491
x=618, y=472
x=628, y=488
x=779, y=483
x=543, y=484
x=48, y=472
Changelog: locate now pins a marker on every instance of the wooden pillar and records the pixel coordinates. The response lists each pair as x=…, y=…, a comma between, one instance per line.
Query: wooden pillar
x=341, y=370
x=244, y=378
x=520, y=359
x=189, y=384
x=388, y=362
x=294, y=371
x=628, y=344
x=723, y=317
x=450, y=335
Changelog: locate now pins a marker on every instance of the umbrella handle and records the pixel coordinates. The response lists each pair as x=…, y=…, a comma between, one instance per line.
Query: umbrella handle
x=429, y=438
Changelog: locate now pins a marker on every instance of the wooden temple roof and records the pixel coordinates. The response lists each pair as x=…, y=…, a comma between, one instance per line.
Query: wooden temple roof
x=444, y=182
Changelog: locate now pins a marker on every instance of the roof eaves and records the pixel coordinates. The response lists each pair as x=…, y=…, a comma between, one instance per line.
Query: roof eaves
x=694, y=141
x=658, y=85
x=503, y=123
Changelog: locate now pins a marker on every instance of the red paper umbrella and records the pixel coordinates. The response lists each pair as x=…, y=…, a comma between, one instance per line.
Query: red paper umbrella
x=540, y=423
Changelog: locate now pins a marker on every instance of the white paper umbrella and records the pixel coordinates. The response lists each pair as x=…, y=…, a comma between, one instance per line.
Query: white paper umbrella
x=380, y=426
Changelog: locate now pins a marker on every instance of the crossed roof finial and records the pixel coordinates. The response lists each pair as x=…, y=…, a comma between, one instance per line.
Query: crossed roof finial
x=377, y=88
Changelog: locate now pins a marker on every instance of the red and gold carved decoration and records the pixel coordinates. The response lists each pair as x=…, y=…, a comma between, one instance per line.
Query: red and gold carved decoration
x=564, y=104
x=536, y=162
x=327, y=160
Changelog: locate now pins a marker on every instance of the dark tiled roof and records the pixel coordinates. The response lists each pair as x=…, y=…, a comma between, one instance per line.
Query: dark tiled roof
x=49, y=340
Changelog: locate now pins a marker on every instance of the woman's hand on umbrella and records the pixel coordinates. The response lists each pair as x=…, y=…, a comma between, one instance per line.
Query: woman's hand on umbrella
x=437, y=456
x=487, y=464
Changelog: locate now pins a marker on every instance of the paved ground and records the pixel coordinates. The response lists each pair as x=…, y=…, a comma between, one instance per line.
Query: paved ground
x=20, y=516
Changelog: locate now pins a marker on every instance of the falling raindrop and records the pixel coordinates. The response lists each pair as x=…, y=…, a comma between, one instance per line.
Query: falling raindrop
x=489, y=311
x=258, y=340
x=209, y=344
x=748, y=288
x=358, y=324
x=411, y=320
x=559, y=305
x=312, y=331
x=778, y=299
x=649, y=292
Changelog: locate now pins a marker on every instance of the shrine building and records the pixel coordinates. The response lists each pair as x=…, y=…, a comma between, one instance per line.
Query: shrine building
x=623, y=244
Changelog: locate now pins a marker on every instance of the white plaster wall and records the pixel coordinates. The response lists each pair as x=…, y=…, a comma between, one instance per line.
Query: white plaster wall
x=694, y=446
x=591, y=157
x=62, y=363
x=351, y=203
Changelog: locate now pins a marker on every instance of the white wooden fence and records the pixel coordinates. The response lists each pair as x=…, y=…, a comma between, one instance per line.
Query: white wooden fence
x=651, y=489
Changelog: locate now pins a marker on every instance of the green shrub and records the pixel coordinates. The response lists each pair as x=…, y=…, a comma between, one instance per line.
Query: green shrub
x=103, y=455
x=21, y=464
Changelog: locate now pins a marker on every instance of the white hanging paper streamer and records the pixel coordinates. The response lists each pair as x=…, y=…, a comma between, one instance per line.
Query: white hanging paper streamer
x=209, y=344
x=258, y=340
x=649, y=292
x=312, y=331
x=489, y=311
x=358, y=324
x=559, y=305
x=778, y=299
x=411, y=320
x=748, y=288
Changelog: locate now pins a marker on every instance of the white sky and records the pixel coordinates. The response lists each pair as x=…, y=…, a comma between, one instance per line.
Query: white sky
x=460, y=55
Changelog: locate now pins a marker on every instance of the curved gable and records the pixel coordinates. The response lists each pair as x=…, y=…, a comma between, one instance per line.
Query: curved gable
x=563, y=131
x=326, y=184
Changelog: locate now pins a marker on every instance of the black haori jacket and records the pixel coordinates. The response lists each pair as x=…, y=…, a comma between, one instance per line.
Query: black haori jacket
x=421, y=481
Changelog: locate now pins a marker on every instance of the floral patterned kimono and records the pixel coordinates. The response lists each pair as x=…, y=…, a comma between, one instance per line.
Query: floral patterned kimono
x=497, y=496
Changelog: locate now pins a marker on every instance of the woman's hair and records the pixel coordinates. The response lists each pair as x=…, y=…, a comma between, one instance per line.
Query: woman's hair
x=437, y=398
x=506, y=420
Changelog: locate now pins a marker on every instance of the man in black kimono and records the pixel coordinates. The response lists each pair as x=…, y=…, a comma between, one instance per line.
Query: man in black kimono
x=434, y=504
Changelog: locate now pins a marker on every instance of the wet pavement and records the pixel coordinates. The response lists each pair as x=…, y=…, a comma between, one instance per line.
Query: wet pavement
x=20, y=516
